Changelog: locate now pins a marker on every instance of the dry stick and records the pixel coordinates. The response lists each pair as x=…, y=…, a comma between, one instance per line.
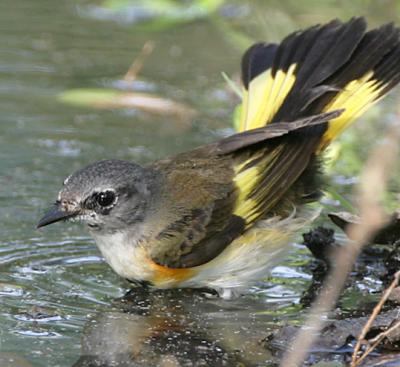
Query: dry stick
x=372, y=218
x=380, y=337
x=137, y=64
x=385, y=333
x=356, y=361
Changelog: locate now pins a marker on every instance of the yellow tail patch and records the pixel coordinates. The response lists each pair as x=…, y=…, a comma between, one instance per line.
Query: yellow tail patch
x=266, y=94
x=356, y=97
x=264, y=97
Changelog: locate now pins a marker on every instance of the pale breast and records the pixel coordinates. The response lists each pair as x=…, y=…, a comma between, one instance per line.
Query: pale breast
x=124, y=255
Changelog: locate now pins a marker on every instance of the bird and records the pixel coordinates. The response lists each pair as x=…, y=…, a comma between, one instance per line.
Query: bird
x=219, y=216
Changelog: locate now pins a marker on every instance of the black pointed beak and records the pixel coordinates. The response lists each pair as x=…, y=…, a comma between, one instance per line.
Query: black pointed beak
x=55, y=215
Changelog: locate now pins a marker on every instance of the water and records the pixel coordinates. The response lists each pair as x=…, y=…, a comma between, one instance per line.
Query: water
x=59, y=302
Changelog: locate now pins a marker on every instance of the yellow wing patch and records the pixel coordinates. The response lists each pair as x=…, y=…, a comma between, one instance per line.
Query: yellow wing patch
x=355, y=98
x=247, y=179
x=265, y=96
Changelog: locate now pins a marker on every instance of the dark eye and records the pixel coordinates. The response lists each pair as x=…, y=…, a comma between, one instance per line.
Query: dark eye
x=105, y=198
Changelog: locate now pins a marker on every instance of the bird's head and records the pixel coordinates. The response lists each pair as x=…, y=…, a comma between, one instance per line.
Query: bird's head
x=107, y=195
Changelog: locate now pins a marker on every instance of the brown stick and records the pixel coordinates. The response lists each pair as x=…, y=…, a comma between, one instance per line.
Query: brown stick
x=138, y=62
x=355, y=361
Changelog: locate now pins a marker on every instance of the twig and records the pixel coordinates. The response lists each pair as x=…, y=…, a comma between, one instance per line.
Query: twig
x=381, y=336
x=138, y=62
x=355, y=361
x=234, y=87
x=372, y=217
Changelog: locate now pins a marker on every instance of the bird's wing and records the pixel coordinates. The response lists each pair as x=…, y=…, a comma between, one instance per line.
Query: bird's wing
x=199, y=195
x=218, y=191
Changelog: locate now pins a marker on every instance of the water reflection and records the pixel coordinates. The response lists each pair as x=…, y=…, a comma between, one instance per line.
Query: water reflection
x=175, y=328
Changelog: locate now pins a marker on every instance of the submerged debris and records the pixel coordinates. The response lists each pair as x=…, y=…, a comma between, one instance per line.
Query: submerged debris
x=338, y=337
x=388, y=235
x=320, y=241
x=351, y=338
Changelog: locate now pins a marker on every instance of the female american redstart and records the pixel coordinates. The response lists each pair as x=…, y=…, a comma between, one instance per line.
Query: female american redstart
x=219, y=215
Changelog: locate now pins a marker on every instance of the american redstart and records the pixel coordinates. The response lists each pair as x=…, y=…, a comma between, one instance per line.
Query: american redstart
x=219, y=215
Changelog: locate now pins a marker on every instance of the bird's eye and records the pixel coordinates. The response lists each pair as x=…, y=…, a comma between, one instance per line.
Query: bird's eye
x=105, y=198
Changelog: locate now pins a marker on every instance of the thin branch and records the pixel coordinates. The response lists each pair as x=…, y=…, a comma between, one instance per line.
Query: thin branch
x=355, y=361
x=138, y=62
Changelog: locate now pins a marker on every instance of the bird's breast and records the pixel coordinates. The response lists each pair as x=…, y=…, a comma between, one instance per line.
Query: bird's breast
x=125, y=255
x=129, y=258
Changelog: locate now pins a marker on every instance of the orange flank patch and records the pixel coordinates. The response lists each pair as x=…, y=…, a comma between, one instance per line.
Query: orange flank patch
x=165, y=275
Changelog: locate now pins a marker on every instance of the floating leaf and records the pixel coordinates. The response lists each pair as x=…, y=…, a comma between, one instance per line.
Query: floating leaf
x=110, y=99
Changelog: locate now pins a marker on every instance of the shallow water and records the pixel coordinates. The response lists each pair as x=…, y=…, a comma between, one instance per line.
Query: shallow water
x=59, y=301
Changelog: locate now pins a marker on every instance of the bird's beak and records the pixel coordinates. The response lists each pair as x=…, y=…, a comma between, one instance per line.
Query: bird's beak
x=55, y=215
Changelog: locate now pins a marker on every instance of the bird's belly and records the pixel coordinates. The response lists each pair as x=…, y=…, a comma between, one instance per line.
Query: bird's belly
x=249, y=256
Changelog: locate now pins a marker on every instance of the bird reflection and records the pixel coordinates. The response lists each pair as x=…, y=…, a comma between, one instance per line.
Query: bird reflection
x=171, y=328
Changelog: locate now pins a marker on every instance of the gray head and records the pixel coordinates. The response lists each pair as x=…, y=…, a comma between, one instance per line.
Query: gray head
x=107, y=195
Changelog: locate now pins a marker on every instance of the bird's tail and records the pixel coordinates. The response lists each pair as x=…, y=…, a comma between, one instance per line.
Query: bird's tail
x=321, y=69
